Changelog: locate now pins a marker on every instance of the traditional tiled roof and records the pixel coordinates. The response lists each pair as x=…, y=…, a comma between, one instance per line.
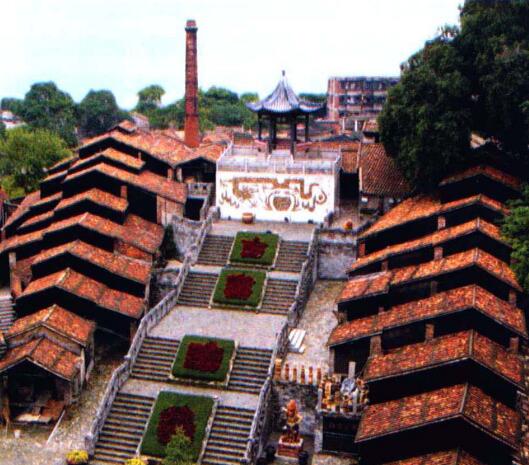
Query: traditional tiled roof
x=113, y=262
x=379, y=174
x=146, y=180
x=140, y=233
x=284, y=100
x=350, y=158
x=451, y=457
x=43, y=219
x=485, y=170
x=431, y=240
x=460, y=401
x=77, y=284
x=443, y=303
x=98, y=197
x=62, y=164
x=423, y=206
x=364, y=286
x=446, y=350
x=168, y=149
x=45, y=354
x=118, y=157
x=57, y=319
x=23, y=208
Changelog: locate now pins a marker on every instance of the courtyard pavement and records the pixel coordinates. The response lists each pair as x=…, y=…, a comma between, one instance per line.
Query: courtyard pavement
x=248, y=328
x=287, y=231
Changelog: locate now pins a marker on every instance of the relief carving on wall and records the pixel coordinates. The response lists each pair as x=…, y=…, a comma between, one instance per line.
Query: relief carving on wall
x=290, y=195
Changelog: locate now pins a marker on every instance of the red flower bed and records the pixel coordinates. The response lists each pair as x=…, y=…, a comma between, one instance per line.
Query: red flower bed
x=254, y=248
x=204, y=357
x=172, y=418
x=238, y=286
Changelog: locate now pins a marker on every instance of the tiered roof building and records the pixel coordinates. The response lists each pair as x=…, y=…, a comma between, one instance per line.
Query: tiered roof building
x=432, y=318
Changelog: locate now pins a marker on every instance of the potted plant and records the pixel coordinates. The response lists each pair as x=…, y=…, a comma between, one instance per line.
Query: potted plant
x=77, y=457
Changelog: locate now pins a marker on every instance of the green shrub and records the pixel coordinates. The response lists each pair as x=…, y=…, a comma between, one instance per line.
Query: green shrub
x=201, y=407
x=219, y=375
x=178, y=451
x=257, y=290
x=77, y=457
x=268, y=257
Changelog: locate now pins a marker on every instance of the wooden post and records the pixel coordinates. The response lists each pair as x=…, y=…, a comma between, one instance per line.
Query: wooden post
x=318, y=375
x=306, y=128
x=287, y=372
x=311, y=375
x=259, y=127
x=295, y=374
x=302, y=374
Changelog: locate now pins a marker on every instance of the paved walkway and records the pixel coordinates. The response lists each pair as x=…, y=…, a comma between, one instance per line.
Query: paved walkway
x=248, y=328
x=287, y=231
x=226, y=398
x=199, y=268
x=318, y=320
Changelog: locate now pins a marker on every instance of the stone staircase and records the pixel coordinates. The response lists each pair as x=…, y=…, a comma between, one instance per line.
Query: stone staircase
x=123, y=429
x=197, y=289
x=279, y=296
x=291, y=256
x=215, y=250
x=155, y=359
x=229, y=436
x=249, y=371
x=7, y=313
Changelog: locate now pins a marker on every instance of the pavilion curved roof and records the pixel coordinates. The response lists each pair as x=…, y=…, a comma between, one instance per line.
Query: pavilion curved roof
x=284, y=100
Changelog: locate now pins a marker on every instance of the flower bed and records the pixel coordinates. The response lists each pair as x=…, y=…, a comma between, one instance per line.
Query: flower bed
x=173, y=410
x=202, y=358
x=239, y=288
x=254, y=248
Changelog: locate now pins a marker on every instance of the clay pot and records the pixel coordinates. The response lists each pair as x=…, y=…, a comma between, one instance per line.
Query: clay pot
x=248, y=218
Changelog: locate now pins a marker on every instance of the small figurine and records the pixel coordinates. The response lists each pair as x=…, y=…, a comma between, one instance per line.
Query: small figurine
x=293, y=421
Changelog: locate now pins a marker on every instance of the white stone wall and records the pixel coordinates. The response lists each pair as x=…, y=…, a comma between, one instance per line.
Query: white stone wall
x=276, y=197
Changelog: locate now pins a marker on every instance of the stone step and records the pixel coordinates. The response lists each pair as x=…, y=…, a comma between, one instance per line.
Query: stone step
x=226, y=438
x=215, y=250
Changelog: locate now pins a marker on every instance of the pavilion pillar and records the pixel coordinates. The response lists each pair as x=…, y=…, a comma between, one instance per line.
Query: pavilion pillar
x=306, y=128
x=259, y=127
x=292, y=135
x=270, y=134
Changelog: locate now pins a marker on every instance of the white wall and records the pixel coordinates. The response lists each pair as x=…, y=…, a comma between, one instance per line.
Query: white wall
x=274, y=197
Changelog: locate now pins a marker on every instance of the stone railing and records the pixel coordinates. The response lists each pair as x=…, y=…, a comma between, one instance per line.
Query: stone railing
x=155, y=314
x=305, y=282
x=260, y=419
x=198, y=189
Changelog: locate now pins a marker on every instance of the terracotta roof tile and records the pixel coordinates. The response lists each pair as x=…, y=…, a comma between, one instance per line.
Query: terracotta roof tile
x=350, y=158
x=442, y=303
x=23, y=208
x=113, y=262
x=464, y=401
x=423, y=206
x=98, y=197
x=364, y=286
x=451, y=457
x=485, y=170
x=89, y=289
x=379, y=174
x=431, y=240
x=146, y=180
x=443, y=350
x=57, y=319
x=112, y=154
x=45, y=354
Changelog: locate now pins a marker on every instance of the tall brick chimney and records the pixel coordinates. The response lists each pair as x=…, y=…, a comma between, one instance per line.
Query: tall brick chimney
x=191, y=137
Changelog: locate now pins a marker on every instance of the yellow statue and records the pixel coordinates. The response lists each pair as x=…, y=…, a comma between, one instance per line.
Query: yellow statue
x=291, y=430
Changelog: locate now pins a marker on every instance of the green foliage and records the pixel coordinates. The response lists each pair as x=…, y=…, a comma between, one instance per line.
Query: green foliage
x=468, y=80
x=47, y=107
x=178, y=450
x=201, y=407
x=269, y=255
x=2, y=130
x=220, y=375
x=98, y=112
x=24, y=154
x=150, y=98
x=77, y=457
x=515, y=229
x=257, y=291
x=12, y=104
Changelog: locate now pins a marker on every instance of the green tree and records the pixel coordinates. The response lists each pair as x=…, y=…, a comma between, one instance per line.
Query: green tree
x=98, y=112
x=515, y=229
x=24, y=154
x=12, y=104
x=426, y=123
x=248, y=97
x=2, y=130
x=47, y=107
x=468, y=80
x=150, y=98
x=178, y=451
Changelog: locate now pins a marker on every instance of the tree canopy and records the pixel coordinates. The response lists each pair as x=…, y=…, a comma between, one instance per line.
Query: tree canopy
x=150, y=98
x=515, y=229
x=24, y=154
x=98, y=112
x=45, y=106
x=471, y=78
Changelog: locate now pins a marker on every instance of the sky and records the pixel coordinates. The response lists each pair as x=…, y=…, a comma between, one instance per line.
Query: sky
x=125, y=45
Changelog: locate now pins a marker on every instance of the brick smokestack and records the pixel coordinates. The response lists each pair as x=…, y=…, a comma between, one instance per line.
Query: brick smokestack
x=192, y=137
